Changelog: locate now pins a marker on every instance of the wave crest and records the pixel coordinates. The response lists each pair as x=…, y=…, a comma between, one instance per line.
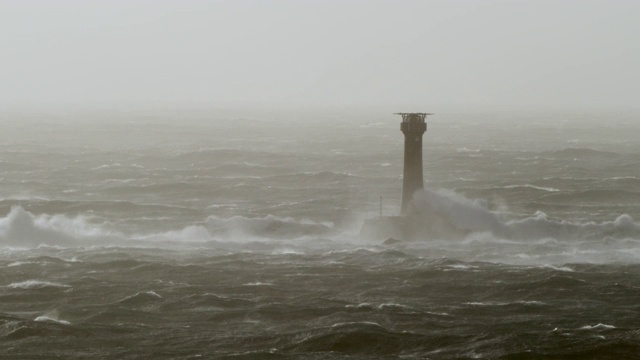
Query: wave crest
x=270, y=226
x=21, y=228
x=448, y=214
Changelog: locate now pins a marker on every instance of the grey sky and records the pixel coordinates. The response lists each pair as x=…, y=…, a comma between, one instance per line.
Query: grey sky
x=580, y=54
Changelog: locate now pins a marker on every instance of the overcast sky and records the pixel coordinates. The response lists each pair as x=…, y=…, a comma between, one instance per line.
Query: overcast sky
x=517, y=54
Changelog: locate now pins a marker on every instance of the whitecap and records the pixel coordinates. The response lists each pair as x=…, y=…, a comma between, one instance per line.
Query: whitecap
x=286, y=251
x=392, y=305
x=549, y=189
x=35, y=284
x=52, y=316
x=154, y=294
x=530, y=302
x=438, y=313
x=559, y=268
x=489, y=303
x=355, y=323
x=258, y=283
x=51, y=319
x=360, y=306
x=461, y=267
x=20, y=263
x=599, y=326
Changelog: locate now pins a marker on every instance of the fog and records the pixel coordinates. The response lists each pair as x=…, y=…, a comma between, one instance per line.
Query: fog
x=224, y=179
x=463, y=55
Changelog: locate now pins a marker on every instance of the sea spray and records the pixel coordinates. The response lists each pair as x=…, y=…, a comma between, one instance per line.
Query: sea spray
x=454, y=214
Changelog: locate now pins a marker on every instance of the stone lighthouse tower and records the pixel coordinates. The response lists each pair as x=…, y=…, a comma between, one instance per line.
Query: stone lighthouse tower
x=405, y=226
x=412, y=126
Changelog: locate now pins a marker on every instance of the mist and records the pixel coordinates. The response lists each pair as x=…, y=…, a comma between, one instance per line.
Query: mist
x=447, y=55
x=232, y=179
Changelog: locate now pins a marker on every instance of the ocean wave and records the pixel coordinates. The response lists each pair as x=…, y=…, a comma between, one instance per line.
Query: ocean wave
x=207, y=302
x=23, y=229
x=385, y=306
x=559, y=268
x=600, y=196
x=270, y=226
x=361, y=338
x=258, y=283
x=13, y=166
x=230, y=154
x=542, y=188
x=505, y=303
x=50, y=319
x=248, y=158
x=447, y=214
x=52, y=206
x=581, y=153
x=52, y=316
x=303, y=179
x=599, y=326
x=451, y=226
x=140, y=298
x=36, y=284
x=20, y=263
x=40, y=260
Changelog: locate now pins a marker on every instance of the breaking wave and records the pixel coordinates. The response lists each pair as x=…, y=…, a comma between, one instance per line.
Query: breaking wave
x=23, y=229
x=52, y=316
x=35, y=284
x=600, y=196
x=452, y=226
x=267, y=227
x=450, y=214
x=581, y=153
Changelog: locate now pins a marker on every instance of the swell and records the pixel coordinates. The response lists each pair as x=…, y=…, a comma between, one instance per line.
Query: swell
x=581, y=153
x=447, y=214
x=24, y=229
x=362, y=303
x=600, y=196
x=48, y=206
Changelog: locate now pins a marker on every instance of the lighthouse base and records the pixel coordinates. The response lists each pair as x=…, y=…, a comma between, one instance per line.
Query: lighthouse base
x=385, y=227
x=410, y=228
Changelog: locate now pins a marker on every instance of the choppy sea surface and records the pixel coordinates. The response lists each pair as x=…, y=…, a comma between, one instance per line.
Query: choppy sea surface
x=197, y=235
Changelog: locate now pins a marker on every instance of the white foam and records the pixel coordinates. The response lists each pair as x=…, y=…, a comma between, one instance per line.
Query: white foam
x=154, y=294
x=468, y=230
x=143, y=295
x=360, y=306
x=371, y=323
x=20, y=263
x=52, y=316
x=462, y=215
x=35, y=284
x=559, y=268
x=47, y=318
x=599, y=326
x=530, y=302
x=267, y=227
x=549, y=189
x=21, y=228
x=488, y=303
x=258, y=283
x=393, y=305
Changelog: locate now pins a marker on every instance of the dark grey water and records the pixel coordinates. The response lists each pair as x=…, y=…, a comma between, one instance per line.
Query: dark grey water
x=183, y=237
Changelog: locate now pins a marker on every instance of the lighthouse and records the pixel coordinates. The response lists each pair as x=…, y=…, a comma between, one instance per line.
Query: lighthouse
x=413, y=126
x=407, y=225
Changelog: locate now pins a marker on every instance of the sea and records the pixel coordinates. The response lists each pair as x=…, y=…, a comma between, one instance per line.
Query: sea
x=210, y=234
